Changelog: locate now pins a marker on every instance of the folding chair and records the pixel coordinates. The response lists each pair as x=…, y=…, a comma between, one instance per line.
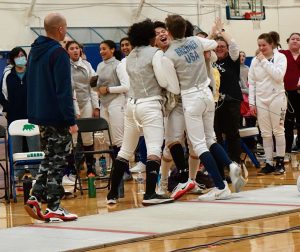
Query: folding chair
x=18, y=160
x=246, y=133
x=91, y=125
x=4, y=168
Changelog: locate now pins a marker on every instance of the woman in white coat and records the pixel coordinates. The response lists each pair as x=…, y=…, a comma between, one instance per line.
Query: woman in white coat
x=268, y=101
x=87, y=103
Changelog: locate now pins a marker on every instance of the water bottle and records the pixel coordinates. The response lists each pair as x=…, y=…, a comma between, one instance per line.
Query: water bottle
x=140, y=183
x=103, y=166
x=27, y=185
x=92, y=186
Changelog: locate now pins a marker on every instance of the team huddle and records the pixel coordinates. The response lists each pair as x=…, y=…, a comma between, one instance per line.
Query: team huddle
x=178, y=90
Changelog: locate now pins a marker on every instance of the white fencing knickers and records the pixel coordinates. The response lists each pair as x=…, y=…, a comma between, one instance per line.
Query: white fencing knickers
x=199, y=111
x=148, y=114
x=113, y=113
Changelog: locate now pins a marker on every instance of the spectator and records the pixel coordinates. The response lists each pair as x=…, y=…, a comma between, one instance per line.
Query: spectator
x=268, y=101
x=50, y=105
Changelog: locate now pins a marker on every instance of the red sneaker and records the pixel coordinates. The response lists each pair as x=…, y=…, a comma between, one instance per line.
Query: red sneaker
x=60, y=214
x=33, y=208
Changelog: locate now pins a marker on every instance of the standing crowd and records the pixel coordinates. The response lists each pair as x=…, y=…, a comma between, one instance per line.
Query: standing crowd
x=174, y=95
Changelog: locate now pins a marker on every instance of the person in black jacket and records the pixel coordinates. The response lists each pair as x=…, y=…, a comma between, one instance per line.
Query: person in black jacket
x=13, y=98
x=227, y=115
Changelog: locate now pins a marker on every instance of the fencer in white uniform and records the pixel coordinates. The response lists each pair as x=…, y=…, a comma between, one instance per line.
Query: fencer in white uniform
x=143, y=111
x=184, y=64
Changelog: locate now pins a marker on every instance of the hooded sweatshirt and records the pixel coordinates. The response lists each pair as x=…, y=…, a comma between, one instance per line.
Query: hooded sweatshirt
x=49, y=99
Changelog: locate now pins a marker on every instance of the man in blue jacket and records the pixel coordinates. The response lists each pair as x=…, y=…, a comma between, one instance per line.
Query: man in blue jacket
x=50, y=105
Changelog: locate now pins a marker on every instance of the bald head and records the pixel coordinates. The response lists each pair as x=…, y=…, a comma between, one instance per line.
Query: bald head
x=55, y=26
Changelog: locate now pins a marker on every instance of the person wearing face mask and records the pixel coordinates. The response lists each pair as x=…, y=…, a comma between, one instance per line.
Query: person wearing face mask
x=14, y=86
x=13, y=98
x=268, y=101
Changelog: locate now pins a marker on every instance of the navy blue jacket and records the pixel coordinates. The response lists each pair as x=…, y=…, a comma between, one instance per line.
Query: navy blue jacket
x=49, y=94
x=16, y=103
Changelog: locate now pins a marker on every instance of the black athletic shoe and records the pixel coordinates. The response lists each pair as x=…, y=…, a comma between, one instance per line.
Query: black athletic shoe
x=156, y=199
x=268, y=169
x=279, y=167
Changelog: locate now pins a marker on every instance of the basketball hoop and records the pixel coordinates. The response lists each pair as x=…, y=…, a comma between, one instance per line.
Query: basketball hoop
x=256, y=23
x=255, y=17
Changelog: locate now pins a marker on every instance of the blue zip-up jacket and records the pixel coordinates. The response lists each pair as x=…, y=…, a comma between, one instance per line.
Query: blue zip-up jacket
x=49, y=93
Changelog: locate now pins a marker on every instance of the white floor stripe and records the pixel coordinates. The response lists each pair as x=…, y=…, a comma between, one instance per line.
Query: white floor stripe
x=97, y=230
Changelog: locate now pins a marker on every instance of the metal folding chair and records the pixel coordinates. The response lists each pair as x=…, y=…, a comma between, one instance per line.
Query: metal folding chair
x=92, y=125
x=246, y=133
x=4, y=167
x=20, y=159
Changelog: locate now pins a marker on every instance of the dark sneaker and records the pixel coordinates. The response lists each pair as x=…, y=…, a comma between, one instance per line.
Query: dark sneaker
x=204, y=178
x=279, y=171
x=111, y=199
x=33, y=208
x=279, y=167
x=156, y=199
x=268, y=169
x=60, y=214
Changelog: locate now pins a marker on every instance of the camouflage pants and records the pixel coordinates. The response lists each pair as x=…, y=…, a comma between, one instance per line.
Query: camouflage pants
x=56, y=143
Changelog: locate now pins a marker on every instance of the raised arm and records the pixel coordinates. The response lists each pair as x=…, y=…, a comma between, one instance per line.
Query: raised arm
x=233, y=48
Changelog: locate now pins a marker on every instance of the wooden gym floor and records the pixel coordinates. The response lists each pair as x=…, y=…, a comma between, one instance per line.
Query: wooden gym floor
x=13, y=215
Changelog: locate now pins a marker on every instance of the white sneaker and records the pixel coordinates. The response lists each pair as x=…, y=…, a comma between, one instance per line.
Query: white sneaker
x=139, y=167
x=287, y=158
x=182, y=188
x=72, y=177
x=198, y=189
x=162, y=187
x=216, y=194
x=67, y=181
x=235, y=173
x=59, y=215
x=111, y=201
x=298, y=183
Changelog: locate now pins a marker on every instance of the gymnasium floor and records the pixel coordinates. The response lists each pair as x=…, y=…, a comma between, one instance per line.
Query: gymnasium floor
x=269, y=203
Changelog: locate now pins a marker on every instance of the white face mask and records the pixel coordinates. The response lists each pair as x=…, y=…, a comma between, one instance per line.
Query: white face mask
x=21, y=61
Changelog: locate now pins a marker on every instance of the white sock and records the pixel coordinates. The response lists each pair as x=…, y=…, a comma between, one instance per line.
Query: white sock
x=193, y=167
x=268, y=148
x=165, y=168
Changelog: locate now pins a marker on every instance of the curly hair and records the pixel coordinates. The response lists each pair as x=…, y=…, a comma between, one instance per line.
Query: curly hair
x=159, y=24
x=189, y=30
x=141, y=34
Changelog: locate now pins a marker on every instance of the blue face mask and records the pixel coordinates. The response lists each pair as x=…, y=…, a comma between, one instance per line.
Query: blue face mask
x=21, y=61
